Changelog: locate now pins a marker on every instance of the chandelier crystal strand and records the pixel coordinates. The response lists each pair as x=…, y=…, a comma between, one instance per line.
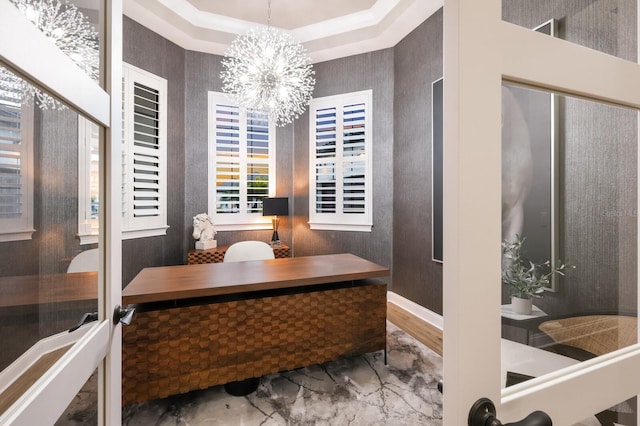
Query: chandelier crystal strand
x=70, y=31
x=268, y=71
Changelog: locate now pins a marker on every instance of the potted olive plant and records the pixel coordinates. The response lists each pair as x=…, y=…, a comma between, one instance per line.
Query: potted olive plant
x=525, y=279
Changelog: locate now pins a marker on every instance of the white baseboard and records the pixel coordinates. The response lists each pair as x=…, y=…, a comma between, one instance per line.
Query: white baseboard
x=416, y=310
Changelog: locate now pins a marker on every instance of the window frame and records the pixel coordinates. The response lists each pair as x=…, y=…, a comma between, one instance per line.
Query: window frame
x=240, y=221
x=138, y=227
x=87, y=233
x=22, y=228
x=340, y=221
x=88, y=229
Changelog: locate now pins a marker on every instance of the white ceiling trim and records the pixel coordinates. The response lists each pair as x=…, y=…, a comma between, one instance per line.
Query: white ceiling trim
x=387, y=34
x=208, y=20
x=379, y=27
x=349, y=23
x=164, y=22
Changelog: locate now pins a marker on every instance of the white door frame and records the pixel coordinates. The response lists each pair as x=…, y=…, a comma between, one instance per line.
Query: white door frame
x=26, y=50
x=480, y=50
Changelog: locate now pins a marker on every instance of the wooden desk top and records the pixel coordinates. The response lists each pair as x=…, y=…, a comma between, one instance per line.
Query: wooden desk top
x=213, y=279
x=54, y=288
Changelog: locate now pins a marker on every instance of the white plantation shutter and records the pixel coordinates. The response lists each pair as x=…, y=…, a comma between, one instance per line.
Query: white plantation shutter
x=16, y=166
x=257, y=161
x=354, y=165
x=146, y=152
x=325, y=152
x=144, y=199
x=241, y=165
x=227, y=165
x=340, y=162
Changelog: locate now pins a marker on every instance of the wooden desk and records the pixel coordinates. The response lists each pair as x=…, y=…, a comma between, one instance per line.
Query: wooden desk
x=216, y=255
x=203, y=325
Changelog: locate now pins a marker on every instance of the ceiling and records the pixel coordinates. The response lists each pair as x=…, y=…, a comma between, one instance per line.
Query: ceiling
x=328, y=29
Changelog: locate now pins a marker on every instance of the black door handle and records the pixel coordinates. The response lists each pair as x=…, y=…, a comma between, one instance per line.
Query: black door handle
x=483, y=413
x=123, y=315
x=86, y=318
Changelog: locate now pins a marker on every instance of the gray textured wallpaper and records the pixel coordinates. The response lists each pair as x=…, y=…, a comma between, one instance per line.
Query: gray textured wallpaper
x=152, y=53
x=367, y=71
x=418, y=62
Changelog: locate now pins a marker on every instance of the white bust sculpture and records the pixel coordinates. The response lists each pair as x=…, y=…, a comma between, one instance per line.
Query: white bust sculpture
x=204, y=230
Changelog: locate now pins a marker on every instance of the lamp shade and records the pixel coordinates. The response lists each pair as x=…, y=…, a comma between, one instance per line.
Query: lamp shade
x=275, y=206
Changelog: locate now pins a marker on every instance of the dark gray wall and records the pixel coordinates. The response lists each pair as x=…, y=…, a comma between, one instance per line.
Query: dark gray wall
x=418, y=62
x=150, y=52
x=374, y=71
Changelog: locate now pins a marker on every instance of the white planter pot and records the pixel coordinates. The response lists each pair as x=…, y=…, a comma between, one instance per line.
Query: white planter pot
x=521, y=306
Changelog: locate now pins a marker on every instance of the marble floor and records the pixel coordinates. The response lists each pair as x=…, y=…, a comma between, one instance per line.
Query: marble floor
x=355, y=391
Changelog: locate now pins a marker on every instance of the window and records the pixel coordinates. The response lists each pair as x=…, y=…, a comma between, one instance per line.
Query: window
x=16, y=168
x=241, y=165
x=144, y=154
x=144, y=161
x=340, y=162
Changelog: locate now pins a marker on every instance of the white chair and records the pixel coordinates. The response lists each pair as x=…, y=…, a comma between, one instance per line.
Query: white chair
x=248, y=250
x=86, y=261
x=238, y=252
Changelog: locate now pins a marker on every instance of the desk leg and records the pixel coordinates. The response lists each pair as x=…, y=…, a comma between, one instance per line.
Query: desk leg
x=242, y=387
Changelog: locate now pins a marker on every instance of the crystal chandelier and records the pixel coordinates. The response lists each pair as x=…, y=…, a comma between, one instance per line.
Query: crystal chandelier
x=70, y=31
x=268, y=71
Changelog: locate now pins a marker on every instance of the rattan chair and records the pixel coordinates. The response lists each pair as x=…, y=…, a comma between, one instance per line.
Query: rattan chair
x=596, y=334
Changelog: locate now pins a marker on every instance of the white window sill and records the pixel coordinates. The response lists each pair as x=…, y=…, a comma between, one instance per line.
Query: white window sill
x=339, y=227
x=88, y=239
x=131, y=234
x=242, y=226
x=127, y=235
x=17, y=236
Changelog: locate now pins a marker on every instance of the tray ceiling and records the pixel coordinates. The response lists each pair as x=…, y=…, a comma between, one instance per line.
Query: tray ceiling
x=329, y=29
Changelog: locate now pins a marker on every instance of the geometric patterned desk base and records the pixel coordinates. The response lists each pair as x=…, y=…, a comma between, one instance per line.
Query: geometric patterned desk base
x=177, y=350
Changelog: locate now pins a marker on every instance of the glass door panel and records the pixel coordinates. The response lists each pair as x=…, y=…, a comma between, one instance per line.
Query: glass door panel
x=594, y=211
x=569, y=192
x=608, y=26
x=623, y=414
x=83, y=410
x=48, y=280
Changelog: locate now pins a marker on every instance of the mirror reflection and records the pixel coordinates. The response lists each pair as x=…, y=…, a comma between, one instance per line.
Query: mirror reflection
x=585, y=181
